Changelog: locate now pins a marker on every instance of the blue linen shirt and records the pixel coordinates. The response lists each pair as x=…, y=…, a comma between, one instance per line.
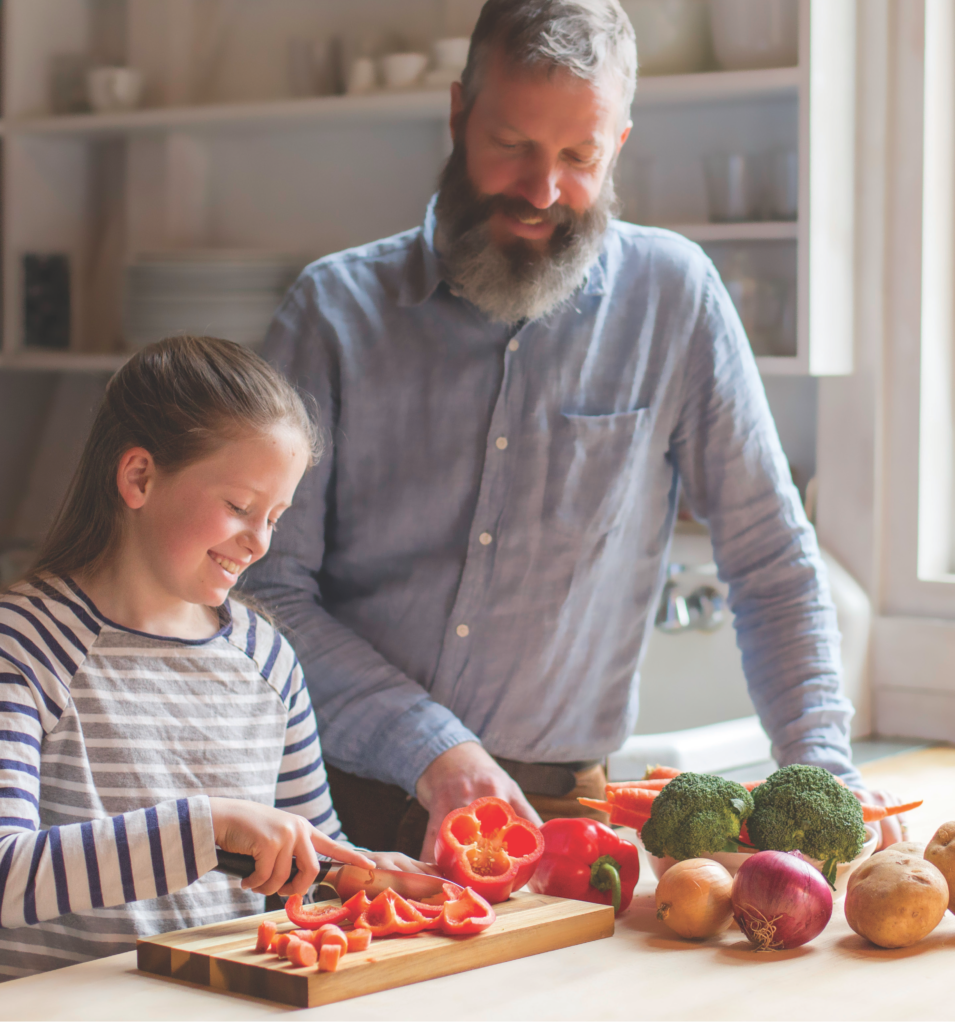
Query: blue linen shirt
x=481, y=553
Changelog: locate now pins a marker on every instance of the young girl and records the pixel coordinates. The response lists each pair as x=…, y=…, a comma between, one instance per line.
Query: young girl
x=146, y=719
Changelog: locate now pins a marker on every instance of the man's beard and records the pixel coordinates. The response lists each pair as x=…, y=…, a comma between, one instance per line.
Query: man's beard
x=516, y=281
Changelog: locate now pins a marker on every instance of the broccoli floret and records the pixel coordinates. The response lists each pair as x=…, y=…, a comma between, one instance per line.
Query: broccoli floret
x=694, y=815
x=804, y=807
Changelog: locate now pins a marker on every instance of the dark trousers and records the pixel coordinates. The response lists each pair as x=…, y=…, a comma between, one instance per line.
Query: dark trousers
x=379, y=816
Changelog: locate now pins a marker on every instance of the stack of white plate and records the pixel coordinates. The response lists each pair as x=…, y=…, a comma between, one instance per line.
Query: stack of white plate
x=223, y=293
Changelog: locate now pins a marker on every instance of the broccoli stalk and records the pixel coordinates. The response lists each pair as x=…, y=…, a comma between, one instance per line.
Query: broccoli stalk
x=804, y=807
x=695, y=815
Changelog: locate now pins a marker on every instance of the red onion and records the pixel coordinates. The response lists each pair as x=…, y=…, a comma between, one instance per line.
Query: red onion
x=780, y=901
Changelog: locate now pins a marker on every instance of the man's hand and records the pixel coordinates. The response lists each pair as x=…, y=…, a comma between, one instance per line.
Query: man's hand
x=891, y=830
x=273, y=838
x=458, y=776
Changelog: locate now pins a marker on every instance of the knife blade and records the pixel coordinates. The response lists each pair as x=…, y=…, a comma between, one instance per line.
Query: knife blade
x=347, y=879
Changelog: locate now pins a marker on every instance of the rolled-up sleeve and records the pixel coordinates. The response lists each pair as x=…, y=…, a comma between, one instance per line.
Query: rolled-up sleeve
x=374, y=720
x=737, y=480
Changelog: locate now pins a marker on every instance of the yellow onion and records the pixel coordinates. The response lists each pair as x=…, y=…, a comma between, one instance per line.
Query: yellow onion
x=694, y=898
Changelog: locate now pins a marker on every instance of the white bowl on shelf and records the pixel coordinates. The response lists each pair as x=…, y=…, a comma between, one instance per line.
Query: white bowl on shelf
x=734, y=861
x=750, y=34
x=672, y=35
x=402, y=70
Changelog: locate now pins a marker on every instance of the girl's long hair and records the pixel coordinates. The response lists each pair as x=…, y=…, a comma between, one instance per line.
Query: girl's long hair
x=180, y=399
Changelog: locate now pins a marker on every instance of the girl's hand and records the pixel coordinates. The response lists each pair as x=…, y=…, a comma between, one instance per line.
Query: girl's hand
x=401, y=862
x=273, y=838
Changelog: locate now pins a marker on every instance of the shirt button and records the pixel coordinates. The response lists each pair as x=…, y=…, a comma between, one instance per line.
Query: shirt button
x=513, y=344
x=485, y=539
x=462, y=630
x=501, y=443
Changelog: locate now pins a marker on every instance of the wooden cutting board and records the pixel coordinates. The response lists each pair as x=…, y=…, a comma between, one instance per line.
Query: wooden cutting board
x=222, y=956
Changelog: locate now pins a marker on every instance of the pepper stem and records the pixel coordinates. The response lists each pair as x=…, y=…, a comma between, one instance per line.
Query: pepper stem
x=605, y=877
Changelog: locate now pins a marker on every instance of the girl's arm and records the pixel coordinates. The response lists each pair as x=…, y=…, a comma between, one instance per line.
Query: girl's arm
x=100, y=863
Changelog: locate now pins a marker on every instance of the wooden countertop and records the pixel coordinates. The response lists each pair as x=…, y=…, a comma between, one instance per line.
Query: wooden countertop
x=642, y=973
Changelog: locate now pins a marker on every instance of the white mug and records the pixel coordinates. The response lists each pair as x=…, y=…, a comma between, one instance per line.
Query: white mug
x=112, y=88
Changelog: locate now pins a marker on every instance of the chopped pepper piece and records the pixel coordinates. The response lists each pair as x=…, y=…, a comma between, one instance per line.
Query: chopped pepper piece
x=487, y=847
x=467, y=915
x=585, y=860
x=391, y=914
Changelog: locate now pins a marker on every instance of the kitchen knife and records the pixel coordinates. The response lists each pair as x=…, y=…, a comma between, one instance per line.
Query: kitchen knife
x=347, y=879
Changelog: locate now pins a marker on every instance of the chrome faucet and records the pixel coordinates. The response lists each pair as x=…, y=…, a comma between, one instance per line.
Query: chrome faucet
x=703, y=609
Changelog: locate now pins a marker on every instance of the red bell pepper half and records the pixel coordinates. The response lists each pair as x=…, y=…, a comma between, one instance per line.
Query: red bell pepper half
x=488, y=848
x=585, y=860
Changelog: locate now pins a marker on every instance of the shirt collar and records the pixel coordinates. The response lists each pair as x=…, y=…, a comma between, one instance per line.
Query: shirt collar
x=423, y=273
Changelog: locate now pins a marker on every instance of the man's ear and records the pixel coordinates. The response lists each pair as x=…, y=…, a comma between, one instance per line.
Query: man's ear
x=624, y=135
x=135, y=476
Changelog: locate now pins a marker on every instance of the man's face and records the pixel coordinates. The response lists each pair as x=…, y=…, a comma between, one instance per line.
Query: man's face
x=540, y=140
x=527, y=193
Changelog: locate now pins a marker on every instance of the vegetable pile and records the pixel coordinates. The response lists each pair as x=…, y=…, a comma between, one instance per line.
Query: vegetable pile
x=319, y=939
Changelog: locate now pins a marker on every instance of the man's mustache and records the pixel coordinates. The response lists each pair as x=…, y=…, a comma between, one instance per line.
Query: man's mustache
x=485, y=206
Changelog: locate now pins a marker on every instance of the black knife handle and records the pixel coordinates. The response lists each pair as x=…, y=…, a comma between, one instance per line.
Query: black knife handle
x=241, y=865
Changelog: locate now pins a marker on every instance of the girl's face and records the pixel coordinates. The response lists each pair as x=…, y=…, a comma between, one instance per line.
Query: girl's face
x=194, y=531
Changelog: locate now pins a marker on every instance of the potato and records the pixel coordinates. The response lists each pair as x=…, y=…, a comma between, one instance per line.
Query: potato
x=916, y=849
x=895, y=899
x=941, y=852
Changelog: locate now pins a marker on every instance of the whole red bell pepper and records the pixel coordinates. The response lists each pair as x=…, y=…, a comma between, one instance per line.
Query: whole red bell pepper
x=488, y=848
x=585, y=860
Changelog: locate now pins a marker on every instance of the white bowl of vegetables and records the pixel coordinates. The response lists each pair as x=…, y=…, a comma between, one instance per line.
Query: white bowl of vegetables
x=733, y=861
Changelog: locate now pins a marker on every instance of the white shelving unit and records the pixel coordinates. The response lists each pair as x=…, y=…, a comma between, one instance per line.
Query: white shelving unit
x=308, y=175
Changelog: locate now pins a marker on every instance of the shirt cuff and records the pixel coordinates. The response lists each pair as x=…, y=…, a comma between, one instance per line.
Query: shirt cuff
x=203, y=834
x=402, y=749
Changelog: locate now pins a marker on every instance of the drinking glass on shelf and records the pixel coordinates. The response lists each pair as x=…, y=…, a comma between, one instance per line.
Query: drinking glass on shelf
x=782, y=184
x=732, y=186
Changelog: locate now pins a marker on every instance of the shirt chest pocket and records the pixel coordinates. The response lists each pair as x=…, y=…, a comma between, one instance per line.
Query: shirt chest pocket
x=596, y=470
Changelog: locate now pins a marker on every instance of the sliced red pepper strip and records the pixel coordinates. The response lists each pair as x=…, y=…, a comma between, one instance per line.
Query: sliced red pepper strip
x=315, y=916
x=488, y=847
x=469, y=914
x=391, y=914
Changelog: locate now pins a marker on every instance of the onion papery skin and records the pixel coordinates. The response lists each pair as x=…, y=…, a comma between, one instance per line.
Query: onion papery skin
x=780, y=901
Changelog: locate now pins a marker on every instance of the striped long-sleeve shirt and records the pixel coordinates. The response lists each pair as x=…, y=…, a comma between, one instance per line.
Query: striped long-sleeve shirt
x=111, y=743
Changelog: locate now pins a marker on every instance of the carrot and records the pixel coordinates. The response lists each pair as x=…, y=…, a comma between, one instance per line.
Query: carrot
x=328, y=956
x=265, y=935
x=359, y=939
x=301, y=954
x=752, y=785
x=870, y=812
x=628, y=806
x=280, y=943
x=661, y=772
x=655, y=784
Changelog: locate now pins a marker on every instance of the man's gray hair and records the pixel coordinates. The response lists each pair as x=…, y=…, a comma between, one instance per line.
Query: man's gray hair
x=588, y=38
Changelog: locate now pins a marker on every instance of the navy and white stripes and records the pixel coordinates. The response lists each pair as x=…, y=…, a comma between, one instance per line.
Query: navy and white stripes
x=111, y=743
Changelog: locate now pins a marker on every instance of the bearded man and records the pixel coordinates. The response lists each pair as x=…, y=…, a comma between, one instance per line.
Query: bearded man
x=516, y=392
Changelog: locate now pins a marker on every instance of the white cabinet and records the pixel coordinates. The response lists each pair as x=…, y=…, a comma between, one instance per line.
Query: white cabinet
x=223, y=156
